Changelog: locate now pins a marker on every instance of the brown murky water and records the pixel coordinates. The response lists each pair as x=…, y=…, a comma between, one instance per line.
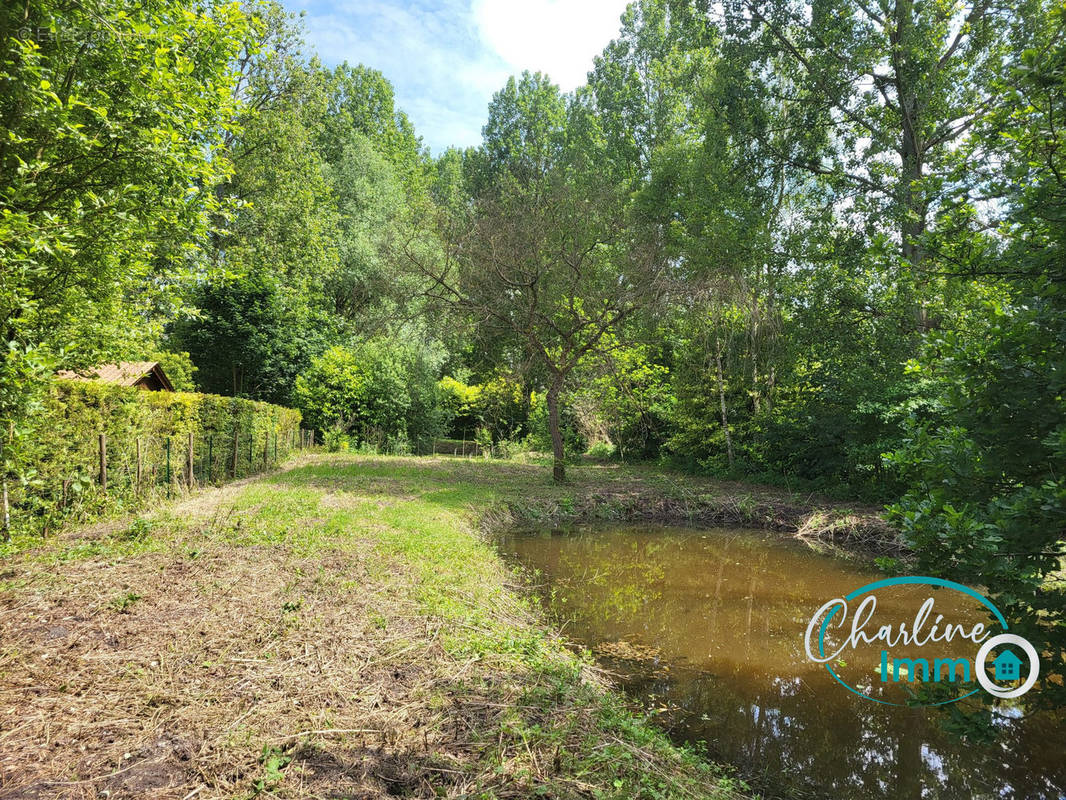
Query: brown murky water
x=706, y=628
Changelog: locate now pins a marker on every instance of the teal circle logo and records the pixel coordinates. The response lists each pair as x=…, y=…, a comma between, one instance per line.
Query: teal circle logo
x=938, y=666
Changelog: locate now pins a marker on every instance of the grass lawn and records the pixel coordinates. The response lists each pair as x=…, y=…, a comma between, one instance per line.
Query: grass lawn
x=337, y=629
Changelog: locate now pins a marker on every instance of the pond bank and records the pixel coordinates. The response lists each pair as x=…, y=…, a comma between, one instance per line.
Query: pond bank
x=334, y=629
x=615, y=493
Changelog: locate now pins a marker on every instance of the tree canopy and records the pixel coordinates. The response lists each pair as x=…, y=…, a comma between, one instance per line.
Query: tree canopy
x=810, y=242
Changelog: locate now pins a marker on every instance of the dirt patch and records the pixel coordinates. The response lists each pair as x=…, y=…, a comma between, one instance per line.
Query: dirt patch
x=159, y=675
x=230, y=659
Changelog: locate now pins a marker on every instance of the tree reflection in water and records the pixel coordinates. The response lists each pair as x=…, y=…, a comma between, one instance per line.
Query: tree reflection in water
x=726, y=610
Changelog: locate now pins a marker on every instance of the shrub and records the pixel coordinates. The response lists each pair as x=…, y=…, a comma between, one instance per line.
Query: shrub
x=378, y=392
x=64, y=447
x=461, y=404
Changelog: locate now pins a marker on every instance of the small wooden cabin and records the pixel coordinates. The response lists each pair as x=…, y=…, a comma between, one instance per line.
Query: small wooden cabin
x=147, y=375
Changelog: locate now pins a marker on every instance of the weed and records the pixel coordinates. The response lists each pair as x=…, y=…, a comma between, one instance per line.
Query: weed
x=138, y=530
x=123, y=603
x=274, y=762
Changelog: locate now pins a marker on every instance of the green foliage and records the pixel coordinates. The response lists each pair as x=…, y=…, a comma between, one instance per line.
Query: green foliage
x=461, y=404
x=361, y=101
x=524, y=132
x=377, y=392
x=63, y=447
x=503, y=406
x=625, y=401
x=274, y=761
x=109, y=157
x=279, y=222
x=369, y=201
x=123, y=603
x=245, y=338
x=497, y=409
x=987, y=497
x=540, y=436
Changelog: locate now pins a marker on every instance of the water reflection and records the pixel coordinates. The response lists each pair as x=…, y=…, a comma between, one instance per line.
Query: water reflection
x=720, y=616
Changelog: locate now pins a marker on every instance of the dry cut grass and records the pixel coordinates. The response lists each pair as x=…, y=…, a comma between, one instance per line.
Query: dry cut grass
x=337, y=631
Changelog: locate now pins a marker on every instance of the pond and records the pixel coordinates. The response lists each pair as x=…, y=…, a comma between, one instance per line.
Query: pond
x=706, y=629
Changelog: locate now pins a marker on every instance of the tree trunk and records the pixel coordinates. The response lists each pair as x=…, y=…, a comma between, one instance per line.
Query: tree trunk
x=914, y=208
x=558, y=465
x=721, y=399
x=753, y=338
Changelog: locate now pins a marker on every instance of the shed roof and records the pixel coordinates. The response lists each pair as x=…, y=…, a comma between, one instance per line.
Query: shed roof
x=125, y=373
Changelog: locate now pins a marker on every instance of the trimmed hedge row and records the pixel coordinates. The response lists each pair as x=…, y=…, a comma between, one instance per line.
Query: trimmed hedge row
x=64, y=453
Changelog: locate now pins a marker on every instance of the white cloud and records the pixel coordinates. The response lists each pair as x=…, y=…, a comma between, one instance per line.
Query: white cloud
x=557, y=37
x=446, y=58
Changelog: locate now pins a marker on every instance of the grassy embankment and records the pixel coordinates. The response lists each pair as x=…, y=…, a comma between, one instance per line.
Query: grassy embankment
x=335, y=630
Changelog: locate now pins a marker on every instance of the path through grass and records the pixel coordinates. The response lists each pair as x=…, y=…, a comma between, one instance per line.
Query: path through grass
x=338, y=629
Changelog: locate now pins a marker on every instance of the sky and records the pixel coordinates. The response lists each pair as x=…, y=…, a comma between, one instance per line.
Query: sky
x=446, y=58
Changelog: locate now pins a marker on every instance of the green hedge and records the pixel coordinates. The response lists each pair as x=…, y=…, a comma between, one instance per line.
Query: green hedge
x=64, y=449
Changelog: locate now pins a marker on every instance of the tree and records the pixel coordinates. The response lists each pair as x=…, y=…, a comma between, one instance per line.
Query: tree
x=645, y=87
x=986, y=501
x=883, y=93
x=361, y=102
x=111, y=119
x=379, y=391
x=246, y=340
x=278, y=209
x=548, y=257
x=370, y=201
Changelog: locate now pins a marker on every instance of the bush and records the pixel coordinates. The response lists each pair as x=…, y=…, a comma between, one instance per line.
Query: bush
x=462, y=406
x=64, y=447
x=601, y=450
x=378, y=393
x=497, y=408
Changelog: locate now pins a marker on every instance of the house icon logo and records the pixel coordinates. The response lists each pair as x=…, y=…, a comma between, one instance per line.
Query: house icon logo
x=1007, y=666
x=1013, y=671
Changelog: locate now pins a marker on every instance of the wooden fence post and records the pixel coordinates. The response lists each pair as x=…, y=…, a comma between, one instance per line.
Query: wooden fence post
x=190, y=472
x=7, y=513
x=3, y=479
x=140, y=465
x=103, y=461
